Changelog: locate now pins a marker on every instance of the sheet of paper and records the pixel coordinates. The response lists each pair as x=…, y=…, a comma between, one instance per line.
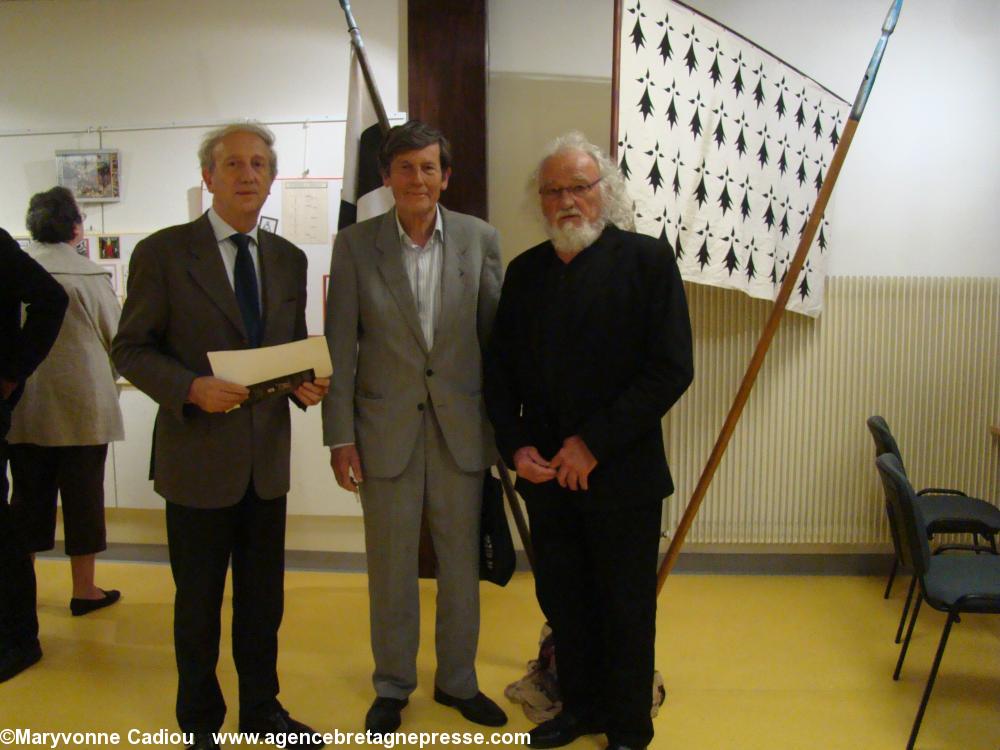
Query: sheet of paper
x=305, y=211
x=249, y=366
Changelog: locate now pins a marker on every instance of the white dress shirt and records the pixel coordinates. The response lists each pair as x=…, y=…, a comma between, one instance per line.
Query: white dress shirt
x=423, y=268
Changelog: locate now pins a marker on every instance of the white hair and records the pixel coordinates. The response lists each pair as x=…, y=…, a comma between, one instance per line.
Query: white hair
x=616, y=205
x=206, y=153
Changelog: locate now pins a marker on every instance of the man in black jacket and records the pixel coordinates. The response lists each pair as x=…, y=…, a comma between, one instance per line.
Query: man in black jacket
x=591, y=347
x=22, y=348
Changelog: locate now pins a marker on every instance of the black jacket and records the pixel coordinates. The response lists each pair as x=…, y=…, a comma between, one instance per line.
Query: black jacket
x=22, y=280
x=625, y=361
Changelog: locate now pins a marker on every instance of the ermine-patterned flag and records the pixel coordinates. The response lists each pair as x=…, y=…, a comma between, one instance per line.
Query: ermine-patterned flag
x=724, y=148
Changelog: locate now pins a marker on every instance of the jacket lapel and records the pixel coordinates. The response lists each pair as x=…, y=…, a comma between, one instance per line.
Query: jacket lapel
x=274, y=279
x=454, y=272
x=209, y=272
x=393, y=272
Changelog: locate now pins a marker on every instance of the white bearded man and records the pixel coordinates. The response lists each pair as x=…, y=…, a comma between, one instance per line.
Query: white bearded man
x=591, y=346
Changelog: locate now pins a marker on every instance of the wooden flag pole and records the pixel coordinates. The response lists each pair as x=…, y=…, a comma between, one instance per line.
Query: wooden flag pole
x=771, y=328
x=359, y=48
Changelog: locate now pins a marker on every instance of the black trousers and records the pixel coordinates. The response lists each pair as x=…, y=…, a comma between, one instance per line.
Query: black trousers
x=18, y=618
x=202, y=542
x=595, y=578
x=41, y=474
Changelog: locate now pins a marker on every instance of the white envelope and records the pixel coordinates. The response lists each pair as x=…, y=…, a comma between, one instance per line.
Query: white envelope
x=250, y=366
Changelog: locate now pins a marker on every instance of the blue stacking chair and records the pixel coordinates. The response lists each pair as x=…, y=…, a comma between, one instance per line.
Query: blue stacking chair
x=955, y=584
x=945, y=511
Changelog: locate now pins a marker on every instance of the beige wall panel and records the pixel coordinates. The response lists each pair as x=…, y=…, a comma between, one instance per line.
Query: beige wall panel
x=525, y=113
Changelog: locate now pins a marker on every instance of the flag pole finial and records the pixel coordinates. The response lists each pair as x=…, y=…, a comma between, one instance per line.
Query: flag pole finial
x=869, y=80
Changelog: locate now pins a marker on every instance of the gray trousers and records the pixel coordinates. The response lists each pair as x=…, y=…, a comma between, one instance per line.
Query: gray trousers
x=392, y=513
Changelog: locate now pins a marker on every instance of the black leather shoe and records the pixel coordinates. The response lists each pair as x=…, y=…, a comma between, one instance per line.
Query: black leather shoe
x=562, y=730
x=278, y=723
x=616, y=746
x=384, y=715
x=86, y=606
x=16, y=659
x=204, y=741
x=478, y=709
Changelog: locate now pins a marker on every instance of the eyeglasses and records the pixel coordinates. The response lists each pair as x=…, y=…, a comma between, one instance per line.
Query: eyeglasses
x=575, y=191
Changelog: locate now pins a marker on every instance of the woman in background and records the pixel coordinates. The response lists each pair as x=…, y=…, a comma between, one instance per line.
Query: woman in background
x=69, y=411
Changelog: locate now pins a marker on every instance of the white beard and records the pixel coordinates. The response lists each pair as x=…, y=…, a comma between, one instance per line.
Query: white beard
x=572, y=239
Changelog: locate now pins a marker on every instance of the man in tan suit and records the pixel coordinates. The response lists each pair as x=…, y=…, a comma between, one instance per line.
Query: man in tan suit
x=220, y=283
x=412, y=298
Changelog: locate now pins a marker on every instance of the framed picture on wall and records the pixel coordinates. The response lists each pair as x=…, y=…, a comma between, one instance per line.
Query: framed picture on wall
x=269, y=224
x=94, y=176
x=109, y=247
x=83, y=247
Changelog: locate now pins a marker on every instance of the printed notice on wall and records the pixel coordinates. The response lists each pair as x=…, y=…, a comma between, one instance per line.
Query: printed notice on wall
x=305, y=212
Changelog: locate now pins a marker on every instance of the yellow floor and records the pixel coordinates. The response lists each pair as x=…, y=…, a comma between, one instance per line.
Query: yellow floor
x=749, y=662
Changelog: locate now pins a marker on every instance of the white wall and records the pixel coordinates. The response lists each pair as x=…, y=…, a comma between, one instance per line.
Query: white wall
x=80, y=65
x=91, y=62
x=918, y=193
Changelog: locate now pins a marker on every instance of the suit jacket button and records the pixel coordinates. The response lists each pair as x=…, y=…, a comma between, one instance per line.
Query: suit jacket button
x=430, y=372
x=420, y=407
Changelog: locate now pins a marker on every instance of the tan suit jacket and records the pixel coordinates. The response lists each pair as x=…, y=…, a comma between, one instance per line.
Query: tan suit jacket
x=180, y=306
x=384, y=374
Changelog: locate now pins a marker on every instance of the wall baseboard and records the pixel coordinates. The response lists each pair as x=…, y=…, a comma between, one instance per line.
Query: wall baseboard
x=692, y=563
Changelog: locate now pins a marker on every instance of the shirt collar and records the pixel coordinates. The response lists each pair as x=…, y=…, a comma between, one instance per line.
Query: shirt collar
x=223, y=231
x=438, y=229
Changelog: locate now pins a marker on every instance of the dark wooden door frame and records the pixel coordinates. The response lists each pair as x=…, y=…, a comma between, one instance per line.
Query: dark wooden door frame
x=446, y=82
x=447, y=73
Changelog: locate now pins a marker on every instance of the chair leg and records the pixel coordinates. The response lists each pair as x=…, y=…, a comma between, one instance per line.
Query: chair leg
x=906, y=608
x=930, y=681
x=892, y=577
x=906, y=641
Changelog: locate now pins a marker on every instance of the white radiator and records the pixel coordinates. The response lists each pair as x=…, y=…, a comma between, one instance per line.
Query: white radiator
x=922, y=352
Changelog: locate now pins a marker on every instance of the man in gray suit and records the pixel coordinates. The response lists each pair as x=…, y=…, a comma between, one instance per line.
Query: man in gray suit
x=220, y=283
x=412, y=298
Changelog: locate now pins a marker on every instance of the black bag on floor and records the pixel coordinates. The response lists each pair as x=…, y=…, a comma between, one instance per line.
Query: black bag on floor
x=497, y=559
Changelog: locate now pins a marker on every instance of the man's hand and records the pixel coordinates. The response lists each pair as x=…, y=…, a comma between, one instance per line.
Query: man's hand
x=345, y=461
x=311, y=393
x=529, y=464
x=573, y=463
x=214, y=395
x=7, y=387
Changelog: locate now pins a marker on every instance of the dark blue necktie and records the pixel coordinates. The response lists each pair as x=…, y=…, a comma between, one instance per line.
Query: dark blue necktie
x=245, y=284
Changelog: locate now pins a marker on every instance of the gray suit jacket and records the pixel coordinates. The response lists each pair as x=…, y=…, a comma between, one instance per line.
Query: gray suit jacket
x=383, y=372
x=180, y=306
